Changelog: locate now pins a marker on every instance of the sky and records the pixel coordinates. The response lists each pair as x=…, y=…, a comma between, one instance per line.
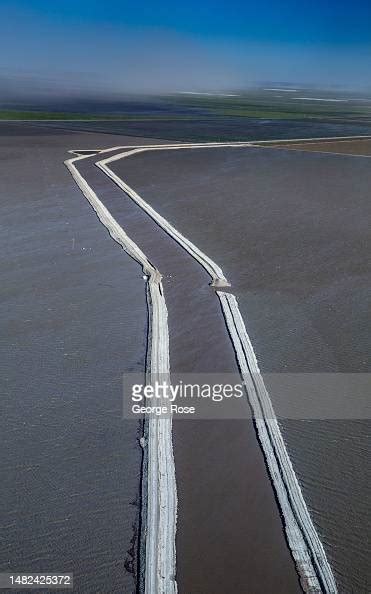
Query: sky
x=91, y=46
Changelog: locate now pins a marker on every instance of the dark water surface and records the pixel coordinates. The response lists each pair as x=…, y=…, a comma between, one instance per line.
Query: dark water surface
x=73, y=318
x=291, y=232
x=229, y=533
x=218, y=128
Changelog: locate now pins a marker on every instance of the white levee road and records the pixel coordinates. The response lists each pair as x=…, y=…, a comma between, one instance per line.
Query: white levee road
x=160, y=564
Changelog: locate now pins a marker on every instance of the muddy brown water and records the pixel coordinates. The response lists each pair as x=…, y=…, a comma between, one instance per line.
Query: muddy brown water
x=230, y=536
x=351, y=147
x=291, y=232
x=73, y=318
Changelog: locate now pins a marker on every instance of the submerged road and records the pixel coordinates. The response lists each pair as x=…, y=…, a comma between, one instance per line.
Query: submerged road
x=304, y=543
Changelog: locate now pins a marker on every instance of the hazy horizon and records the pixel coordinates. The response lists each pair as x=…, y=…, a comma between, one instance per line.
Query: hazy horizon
x=69, y=49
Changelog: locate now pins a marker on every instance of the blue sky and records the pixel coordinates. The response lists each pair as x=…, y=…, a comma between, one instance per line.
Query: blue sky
x=129, y=46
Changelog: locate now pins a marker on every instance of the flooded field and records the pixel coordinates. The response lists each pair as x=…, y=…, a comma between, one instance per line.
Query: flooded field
x=209, y=128
x=216, y=462
x=357, y=147
x=290, y=230
x=74, y=318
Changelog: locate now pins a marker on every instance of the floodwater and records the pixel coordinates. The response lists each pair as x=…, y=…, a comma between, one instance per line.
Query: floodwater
x=291, y=232
x=207, y=128
x=73, y=319
x=229, y=533
x=351, y=147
